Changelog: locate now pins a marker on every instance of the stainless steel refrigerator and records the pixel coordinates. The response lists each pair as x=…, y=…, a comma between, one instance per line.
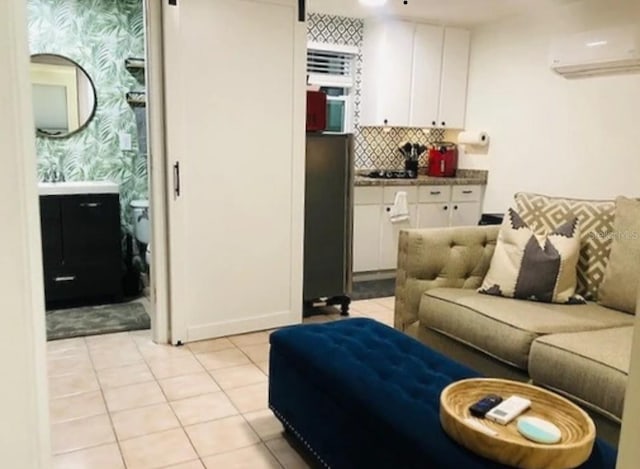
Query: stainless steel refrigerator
x=328, y=220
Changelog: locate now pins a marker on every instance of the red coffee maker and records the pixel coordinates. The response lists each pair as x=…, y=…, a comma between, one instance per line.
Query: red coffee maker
x=443, y=160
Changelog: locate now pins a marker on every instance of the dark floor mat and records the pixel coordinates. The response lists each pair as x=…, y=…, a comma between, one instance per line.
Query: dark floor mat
x=93, y=320
x=373, y=289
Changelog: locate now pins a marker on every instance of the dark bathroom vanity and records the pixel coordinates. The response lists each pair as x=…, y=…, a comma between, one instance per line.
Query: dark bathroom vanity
x=81, y=248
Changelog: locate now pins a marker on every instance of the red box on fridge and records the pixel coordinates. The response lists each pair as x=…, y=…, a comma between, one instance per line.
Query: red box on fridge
x=316, y=111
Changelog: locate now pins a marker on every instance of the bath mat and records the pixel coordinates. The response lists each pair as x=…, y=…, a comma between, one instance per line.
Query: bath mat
x=93, y=320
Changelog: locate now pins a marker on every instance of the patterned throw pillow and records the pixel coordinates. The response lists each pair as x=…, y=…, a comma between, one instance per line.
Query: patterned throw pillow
x=596, y=217
x=533, y=267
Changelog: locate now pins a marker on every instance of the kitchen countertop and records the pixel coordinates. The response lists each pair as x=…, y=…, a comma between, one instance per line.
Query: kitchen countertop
x=463, y=177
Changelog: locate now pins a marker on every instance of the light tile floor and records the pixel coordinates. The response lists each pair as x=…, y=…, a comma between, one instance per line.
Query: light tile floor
x=121, y=401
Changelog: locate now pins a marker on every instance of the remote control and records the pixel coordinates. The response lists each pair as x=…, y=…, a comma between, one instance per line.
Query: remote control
x=484, y=405
x=508, y=409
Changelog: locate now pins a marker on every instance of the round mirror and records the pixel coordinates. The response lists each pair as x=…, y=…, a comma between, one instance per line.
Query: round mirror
x=64, y=97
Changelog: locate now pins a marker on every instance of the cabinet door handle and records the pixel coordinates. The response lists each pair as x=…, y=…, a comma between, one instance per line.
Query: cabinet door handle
x=388, y=209
x=176, y=179
x=69, y=278
x=446, y=207
x=90, y=204
x=435, y=192
x=455, y=207
x=443, y=123
x=467, y=192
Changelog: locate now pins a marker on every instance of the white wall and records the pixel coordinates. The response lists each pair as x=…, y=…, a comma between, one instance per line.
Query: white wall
x=24, y=426
x=549, y=134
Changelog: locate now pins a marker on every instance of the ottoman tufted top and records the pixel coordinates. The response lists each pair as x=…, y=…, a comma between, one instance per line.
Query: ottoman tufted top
x=385, y=379
x=374, y=368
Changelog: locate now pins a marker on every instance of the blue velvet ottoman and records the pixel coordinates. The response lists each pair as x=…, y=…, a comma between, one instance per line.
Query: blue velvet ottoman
x=358, y=394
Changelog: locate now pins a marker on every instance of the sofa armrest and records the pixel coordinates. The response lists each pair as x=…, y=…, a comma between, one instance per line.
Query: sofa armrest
x=441, y=257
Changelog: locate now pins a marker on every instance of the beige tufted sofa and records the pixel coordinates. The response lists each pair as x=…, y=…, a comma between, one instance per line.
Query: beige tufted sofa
x=581, y=351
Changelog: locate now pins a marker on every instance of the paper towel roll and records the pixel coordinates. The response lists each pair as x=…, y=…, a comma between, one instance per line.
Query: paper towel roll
x=473, y=138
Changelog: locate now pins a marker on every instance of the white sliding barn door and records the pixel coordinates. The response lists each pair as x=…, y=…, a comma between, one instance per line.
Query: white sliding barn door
x=235, y=112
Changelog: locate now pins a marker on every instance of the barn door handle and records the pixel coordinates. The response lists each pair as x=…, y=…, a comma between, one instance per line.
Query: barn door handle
x=176, y=179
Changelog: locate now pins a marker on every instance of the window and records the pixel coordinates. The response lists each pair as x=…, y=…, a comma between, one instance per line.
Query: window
x=338, y=109
x=331, y=67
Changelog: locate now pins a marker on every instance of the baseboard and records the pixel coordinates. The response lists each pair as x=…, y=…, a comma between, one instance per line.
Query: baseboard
x=257, y=323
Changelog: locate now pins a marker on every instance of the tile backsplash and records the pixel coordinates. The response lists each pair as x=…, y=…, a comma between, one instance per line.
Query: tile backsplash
x=374, y=147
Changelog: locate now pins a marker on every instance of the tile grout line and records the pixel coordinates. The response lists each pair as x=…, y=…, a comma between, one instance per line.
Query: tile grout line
x=241, y=414
x=262, y=441
x=113, y=428
x=181, y=426
x=146, y=361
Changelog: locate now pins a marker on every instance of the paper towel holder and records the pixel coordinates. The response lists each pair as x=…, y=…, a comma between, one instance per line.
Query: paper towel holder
x=473, y=138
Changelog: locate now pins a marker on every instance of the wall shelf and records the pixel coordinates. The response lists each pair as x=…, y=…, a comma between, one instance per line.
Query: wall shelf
x=133, y=63
x=137, y=98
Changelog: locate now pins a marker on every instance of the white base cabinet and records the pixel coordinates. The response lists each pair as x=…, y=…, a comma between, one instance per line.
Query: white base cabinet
x=366, y=237
x=390, y=232
x=433, y=215
x=375, y=237
x=465, y=213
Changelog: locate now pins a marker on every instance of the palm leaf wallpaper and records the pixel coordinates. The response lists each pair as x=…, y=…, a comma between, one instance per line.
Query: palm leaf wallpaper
x=99, y=35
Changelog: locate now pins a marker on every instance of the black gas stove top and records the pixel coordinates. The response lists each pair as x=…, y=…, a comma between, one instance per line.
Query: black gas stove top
x=392, y=174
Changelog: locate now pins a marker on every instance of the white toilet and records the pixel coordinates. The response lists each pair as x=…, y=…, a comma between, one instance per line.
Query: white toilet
x=142, y=225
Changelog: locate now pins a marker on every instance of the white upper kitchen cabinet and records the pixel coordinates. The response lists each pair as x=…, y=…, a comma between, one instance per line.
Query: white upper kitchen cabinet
x=414, y=75
x=387, y=66
x=455, y=72
x=426, y=75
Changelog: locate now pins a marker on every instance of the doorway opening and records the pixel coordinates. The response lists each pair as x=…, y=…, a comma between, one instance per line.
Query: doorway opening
x=89, y=82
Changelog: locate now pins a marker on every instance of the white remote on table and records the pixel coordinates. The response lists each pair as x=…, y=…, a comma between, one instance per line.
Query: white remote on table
x=508, y=409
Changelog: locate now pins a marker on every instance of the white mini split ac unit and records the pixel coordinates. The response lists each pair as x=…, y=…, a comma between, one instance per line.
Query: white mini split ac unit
x=599, y=52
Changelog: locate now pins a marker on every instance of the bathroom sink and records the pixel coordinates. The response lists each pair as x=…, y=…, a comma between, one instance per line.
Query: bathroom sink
x=78, y=187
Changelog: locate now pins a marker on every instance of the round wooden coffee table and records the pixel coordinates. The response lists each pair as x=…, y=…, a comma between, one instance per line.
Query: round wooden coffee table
x=509, y=447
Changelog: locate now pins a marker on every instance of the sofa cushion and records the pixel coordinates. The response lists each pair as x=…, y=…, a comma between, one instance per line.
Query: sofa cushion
x=619, y=288
x=596, y=217
x=592, y=366
x=533, y=267
x=505, y=328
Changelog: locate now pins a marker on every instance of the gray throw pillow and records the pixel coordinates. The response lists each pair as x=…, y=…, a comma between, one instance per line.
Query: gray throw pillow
x=543, y=213
x=534, y=267
x=619, y=288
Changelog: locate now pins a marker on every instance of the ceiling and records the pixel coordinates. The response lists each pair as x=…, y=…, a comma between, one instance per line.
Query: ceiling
x=455, y=12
